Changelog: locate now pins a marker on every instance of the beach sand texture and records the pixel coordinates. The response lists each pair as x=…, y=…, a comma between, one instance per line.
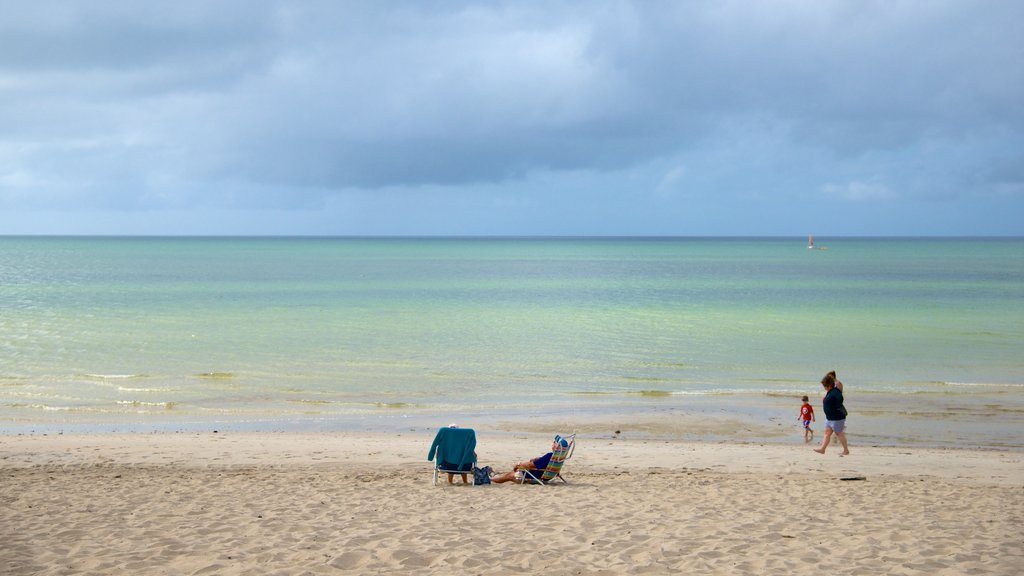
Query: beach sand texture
x=264, y=503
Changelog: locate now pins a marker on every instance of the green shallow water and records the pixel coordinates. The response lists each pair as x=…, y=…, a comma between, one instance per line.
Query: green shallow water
x=151, y=332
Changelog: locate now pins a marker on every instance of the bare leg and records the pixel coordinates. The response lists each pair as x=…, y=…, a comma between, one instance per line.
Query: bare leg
x=502, y=478
x=824, y=441
x=464, y=479
x=450, y=477
x=842, y=440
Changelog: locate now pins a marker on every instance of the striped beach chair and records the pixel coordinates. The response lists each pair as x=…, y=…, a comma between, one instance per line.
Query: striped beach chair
x=553, y=470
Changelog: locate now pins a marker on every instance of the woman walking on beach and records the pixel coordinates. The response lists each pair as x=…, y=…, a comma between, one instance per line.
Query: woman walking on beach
x=835, y=413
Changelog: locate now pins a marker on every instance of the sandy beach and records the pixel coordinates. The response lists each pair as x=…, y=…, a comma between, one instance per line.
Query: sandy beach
x=288, y=503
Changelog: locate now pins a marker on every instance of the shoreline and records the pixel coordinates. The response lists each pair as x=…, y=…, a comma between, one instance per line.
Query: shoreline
x=759, y=420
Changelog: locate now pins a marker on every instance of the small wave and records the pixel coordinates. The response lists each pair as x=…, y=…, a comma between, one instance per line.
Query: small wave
x=977, y=384
x=216, y=375
x=126, y=389
x=47, y=407
x=948, y=392
x=785, y=393
x=777, y=380
x=375, y=404
x=393, y=404
x=663, y=364
x=663, y=393
x=113, y=376
x=139, y=403
x=106, y=409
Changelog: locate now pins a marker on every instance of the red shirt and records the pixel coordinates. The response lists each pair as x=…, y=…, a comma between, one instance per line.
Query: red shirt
x=806, y=412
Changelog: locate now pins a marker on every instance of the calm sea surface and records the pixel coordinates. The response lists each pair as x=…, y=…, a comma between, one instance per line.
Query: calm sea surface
x=277, y=333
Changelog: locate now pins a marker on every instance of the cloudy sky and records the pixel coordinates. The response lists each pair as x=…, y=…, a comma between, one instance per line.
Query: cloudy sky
x=439, y=117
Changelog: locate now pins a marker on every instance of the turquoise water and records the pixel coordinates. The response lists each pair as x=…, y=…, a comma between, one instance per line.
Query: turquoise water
x=275, y=332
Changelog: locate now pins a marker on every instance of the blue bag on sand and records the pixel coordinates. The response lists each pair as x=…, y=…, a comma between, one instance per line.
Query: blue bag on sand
x=482, y=475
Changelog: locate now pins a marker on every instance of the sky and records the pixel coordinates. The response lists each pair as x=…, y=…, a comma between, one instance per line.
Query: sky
x=553, y=118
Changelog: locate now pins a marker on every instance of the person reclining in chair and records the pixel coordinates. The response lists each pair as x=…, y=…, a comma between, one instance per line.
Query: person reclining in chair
x=537, y=465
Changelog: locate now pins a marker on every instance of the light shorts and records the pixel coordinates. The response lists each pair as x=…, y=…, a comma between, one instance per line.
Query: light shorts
x=836, y=425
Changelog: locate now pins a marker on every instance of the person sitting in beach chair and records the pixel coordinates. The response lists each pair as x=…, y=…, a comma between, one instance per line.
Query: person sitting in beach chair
x=542, y=469
x=453, y=452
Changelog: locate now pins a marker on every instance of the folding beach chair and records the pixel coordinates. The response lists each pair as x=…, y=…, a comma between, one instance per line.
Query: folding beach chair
x=554, y=468
x=453, y=452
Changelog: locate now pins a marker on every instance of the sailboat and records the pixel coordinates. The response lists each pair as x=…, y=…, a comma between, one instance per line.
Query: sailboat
x=810, y=241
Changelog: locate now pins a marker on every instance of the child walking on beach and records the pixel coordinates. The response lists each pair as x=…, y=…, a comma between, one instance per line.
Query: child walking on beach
x=807, y=415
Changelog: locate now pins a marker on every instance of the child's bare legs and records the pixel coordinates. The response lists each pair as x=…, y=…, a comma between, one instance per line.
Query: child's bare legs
x=452, y=476
x=808, y=435
x=825, y=440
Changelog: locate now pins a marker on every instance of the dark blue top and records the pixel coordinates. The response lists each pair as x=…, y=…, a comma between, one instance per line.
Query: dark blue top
x=539, y=464
x=833, y=405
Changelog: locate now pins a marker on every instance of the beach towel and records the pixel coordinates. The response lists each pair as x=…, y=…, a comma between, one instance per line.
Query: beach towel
x=455, y=446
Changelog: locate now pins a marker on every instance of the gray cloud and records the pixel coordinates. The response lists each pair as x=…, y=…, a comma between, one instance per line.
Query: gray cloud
x=273, y=104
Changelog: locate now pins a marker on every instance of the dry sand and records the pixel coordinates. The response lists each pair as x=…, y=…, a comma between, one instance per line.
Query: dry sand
x=289, y=503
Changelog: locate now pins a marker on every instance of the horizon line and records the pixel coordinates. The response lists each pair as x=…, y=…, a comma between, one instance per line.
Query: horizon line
x=515, y=236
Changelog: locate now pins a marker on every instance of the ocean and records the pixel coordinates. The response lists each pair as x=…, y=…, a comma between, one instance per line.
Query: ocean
x=138, y=334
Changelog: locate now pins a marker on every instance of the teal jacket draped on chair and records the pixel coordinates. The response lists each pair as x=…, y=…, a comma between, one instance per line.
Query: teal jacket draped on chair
x=453, y=450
